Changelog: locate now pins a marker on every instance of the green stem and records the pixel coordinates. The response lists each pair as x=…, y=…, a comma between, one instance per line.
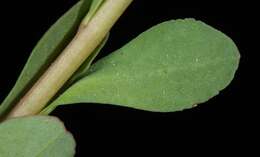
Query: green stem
x=86, y=40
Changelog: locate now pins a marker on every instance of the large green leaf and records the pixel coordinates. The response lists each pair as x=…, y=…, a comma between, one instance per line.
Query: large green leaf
x=47, y=49
x=170, y=67
x=36, y=136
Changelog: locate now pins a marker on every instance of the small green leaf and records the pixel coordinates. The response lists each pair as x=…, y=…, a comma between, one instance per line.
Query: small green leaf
x=36, y=136
x=170, y=67
x=47, y=49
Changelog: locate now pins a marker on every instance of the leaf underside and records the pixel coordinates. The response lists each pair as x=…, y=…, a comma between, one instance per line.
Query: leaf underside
x=170, y=67
x=36, y=136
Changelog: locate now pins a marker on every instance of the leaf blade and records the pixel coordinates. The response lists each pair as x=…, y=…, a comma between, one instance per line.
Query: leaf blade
x=48, y=137
x=161, y=70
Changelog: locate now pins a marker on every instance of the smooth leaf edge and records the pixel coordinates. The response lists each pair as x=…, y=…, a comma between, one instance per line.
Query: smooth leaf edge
x=53, y=105
x=54, y=120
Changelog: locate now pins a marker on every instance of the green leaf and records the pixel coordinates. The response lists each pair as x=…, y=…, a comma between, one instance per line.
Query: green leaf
x=170, y=67
x=47, y=49
x=36, y=136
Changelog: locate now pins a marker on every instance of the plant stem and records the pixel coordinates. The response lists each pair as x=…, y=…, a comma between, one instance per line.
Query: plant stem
x=86, y=40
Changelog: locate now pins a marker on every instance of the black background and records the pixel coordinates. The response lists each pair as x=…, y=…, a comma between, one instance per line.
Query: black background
x=24, y=22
